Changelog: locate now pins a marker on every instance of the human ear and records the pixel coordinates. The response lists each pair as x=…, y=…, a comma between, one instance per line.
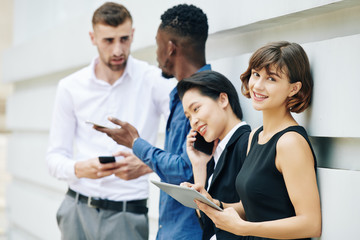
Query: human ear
x=92, y=38
x=223, y=99
x=171, y=47
x=295, y=88
x=132, y=34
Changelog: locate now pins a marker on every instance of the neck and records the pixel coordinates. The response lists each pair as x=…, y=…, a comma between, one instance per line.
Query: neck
x=104, y=73
x=232, y=122
x=183, y=68
x=277, y=120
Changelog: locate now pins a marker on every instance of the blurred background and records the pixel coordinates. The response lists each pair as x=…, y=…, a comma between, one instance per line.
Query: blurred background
x=42, y=41
x=6, y=24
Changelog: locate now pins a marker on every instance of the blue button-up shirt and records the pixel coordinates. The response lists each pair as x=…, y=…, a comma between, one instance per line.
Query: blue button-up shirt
x=173, y=166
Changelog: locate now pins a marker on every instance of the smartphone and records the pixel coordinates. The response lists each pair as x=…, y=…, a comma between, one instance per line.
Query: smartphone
x=202, y=145
x=95, y=124
x=106, y=159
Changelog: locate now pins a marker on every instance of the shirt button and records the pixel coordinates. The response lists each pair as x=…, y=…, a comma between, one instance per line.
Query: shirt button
x=160, y=226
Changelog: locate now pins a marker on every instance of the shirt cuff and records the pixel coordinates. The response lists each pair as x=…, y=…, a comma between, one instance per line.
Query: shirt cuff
x=70, y=171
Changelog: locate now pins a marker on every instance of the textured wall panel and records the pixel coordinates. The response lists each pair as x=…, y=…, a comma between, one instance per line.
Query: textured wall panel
x=34, y=209
x=335, y=108
x=26, y=159
x=340, y=197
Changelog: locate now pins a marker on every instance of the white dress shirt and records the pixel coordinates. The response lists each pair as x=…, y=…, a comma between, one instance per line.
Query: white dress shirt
x=140, y=96
x=218, y=151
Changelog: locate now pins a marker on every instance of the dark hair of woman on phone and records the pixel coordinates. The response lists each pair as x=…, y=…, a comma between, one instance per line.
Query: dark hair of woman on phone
x=211, y=84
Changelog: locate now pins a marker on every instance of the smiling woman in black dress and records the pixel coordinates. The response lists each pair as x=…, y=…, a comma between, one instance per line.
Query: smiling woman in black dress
x=279, y=197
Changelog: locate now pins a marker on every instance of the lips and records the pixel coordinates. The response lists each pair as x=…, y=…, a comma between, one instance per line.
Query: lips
x=202, y=130
x=259, y=97
x=117, y=60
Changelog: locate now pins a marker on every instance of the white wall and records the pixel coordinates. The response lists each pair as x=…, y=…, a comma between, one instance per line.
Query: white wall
x=5, y=90
x=50, y=40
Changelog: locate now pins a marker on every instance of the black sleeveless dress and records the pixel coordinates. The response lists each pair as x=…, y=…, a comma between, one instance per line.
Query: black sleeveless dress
x=261, y=186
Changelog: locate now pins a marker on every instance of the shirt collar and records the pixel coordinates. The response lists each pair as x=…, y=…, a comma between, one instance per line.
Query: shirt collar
x=204, y=68
x=129, y=70
x=174, y=92
x=226, y=139
x=222, y=144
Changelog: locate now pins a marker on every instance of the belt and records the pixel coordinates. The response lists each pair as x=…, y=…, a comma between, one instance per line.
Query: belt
x=137, y=206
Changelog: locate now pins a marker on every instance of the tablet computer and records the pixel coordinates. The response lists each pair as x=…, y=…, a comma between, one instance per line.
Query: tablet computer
x=185, y=195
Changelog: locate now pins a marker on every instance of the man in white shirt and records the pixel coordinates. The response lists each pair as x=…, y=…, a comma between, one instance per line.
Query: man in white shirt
x=99, y=204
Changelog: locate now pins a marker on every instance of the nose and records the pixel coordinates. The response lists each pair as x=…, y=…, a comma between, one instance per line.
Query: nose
x=193, y=122
x=117, y=51
x=259, y=83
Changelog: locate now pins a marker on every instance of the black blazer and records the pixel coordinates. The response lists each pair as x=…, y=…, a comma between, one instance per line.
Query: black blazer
x=222, y=185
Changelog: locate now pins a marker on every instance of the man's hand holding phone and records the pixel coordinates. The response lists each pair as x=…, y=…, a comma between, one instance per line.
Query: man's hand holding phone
x=127, y=167
x=107, y=159
x=95, y=124
x=125, y=135
x=92, y=168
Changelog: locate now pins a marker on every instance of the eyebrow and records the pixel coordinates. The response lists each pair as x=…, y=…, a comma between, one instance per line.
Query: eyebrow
x=268, y=72
x=191, y=105
x=113, y=37
x=274, y=73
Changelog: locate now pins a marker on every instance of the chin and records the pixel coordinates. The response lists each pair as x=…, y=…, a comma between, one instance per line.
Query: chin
x=208, y=139
x=117, y=68
x=167, y=75
x=257, y=107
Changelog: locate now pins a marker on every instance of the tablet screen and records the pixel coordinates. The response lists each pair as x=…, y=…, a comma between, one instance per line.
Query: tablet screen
x=184, y=195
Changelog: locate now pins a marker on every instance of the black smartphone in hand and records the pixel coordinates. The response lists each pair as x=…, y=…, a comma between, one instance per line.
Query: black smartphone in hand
x=202, y=145
x=106, y=159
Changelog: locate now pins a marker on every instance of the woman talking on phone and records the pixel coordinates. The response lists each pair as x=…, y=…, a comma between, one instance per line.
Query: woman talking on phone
x=277, y=182
x=211, y=103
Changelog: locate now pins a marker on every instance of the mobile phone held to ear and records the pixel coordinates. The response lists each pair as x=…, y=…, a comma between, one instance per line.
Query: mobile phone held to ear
x=106, y=159
x=202, y=145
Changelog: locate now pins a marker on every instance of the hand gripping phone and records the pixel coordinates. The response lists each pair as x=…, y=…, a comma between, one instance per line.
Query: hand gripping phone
x=95, y=124
x=202, y=145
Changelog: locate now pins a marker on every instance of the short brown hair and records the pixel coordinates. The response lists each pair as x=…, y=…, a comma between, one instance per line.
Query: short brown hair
x=112, y=14
x=289, y=58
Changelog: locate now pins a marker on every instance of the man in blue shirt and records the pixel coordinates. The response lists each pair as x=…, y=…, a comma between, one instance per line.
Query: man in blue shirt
x=180, y=40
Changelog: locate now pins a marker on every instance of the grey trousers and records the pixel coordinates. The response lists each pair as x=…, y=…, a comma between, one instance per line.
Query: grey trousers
x=78, y=221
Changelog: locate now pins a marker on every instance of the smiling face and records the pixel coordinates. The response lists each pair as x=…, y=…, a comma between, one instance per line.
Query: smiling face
x=270, y=89
x=113, y=44
x=206, y=115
